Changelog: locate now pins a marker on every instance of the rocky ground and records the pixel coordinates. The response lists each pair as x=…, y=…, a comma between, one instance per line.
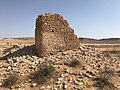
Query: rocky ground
x=84, y=68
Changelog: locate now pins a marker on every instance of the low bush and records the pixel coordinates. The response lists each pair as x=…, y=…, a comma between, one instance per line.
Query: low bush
x=44, y=73
x=10, y=81
x=74, y=63
x=104, y=79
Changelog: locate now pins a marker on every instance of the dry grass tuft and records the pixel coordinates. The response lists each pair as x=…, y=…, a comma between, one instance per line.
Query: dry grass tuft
x=74, y=63
x=44, y=73
x=104, y=79
x=10, y=81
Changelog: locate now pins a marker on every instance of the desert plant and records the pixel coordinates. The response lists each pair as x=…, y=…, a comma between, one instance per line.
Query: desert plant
x=104, y=79
x=44, y=73
x=10, y=81
x=74, y=63
x=108, y=72
x=104, y=83
x=114, y=52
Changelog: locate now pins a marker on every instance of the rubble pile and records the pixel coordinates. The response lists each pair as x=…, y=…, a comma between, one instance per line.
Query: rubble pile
x=69, y=74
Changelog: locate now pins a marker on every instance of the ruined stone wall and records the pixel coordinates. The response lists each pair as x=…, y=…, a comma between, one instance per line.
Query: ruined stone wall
x=53, y=34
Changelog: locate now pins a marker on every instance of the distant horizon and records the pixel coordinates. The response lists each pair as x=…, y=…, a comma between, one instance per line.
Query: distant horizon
x=89, y=18
x=78, y=37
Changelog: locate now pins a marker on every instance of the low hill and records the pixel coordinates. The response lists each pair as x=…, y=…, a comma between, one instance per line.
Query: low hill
x=82, y=40
x=106, y=40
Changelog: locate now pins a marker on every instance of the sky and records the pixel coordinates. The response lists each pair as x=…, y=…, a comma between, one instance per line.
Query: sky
x=89, y=18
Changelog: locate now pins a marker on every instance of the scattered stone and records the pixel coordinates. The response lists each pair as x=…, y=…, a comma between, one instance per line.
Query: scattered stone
x=62, y=75
x=48, y=87
x=91, y=73
x=33, y=84
x=66, y=70
x=84, y=68
x=58, y=82
x=55, y=89
x=60, y=79
x=42, y=88
x=76, y=83
x=70, y=80
x=65, y=85
x=26, y=63
x=0, y=84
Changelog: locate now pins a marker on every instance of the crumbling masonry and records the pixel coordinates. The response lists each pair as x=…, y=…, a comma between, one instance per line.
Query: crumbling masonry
x=53, y=35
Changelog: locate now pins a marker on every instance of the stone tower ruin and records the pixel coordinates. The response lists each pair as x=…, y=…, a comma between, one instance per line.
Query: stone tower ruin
x=53, y=35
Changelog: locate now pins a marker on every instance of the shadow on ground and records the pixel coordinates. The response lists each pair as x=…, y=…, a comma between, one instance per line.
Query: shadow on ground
x=29, y=50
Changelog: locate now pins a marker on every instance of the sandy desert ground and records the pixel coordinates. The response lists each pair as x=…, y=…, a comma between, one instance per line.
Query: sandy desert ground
x=90, y=67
